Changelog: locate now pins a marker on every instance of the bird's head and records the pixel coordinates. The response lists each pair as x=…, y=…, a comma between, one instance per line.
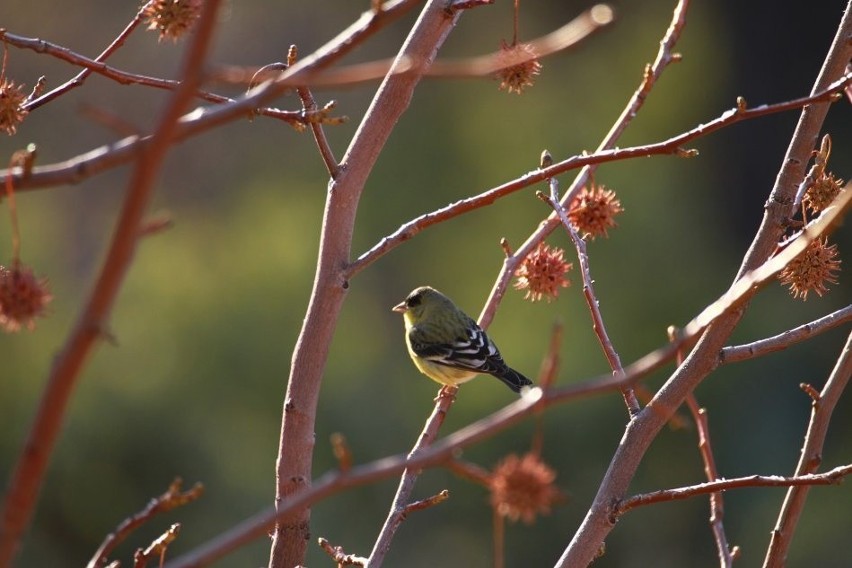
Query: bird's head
x=420, y=302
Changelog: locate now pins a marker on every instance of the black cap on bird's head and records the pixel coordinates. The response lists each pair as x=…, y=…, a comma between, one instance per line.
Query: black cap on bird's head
x=419, y=298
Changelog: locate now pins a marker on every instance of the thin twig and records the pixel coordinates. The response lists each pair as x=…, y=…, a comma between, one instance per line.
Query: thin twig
x=13, y=209
x=832, y=477
x=293, y=464
x=309, y=106
x=157, y=548
x=547, y=375
x=652, y=73
x=442, y=452
x=592, y=302
x=339, y=555
x=703, y=358
x=705, y=449
x=435, y=499
x=810, y=457
x=78, y=79
x=172, y=498
x=717, y=508
x=28, y=474
x=566, y=37
x=672, y=146
x=761, y=347
x=499, y=529
x=400, y=506
x=126, y=78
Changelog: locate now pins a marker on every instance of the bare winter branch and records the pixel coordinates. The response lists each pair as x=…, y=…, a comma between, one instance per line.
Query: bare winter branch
x=832, y=477
x=401, y=506
x=761, y=347
x=672, y=146
x=702, y=360
x=26, y=480
x=173, y=497
x=591, y=299
x=810, y=458
x=665, y=56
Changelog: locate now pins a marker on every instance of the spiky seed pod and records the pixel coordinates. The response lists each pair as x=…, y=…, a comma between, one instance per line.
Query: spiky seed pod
x=542, y=273
x=172, y=18
x=593, y=211
x=519, y=67
x=12, y=112
x=522, y=487
x=812, y=270
x=23, y=297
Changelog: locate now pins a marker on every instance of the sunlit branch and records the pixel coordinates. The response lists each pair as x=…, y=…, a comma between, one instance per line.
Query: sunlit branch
x=810, y=457
x=665, y=56
x=832, y=477
x=592, y=302
x=31, y=466
x=78, y=79
x=761, y=347
x=672, y=146
x=173, y=497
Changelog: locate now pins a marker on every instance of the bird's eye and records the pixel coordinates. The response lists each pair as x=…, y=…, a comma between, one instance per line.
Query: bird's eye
x=413, y=300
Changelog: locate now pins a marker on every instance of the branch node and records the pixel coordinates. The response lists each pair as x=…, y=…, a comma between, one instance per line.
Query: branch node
x=507, y=249
x=426, y=503
x=339, y=556
x=811, y=392
x=736, y=551
x=157, y=548
x=292, y=55
x=38, y=89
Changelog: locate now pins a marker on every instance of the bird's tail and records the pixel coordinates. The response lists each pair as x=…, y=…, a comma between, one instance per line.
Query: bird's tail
x=513, y=379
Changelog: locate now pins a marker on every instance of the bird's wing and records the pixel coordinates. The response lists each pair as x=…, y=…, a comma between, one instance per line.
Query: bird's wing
x=474, y=351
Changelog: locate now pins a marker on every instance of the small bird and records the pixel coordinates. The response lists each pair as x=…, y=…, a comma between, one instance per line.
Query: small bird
x=447, y=345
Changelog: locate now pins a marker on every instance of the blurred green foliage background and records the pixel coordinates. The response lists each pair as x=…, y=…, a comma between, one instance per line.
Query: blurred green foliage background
x=211, y=308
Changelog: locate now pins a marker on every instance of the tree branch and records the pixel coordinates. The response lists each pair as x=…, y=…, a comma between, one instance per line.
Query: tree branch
x=28, y=475
x=441, y=452
x=172, y=498
x=401, y=501
x=99, y=159
x=592, y=302
x=832, y=477
x=810, y=458
x=293, y=465
x=78, y=79
x=126, y=78
x=761, y=347
x=704, y=357
x=664, y=57
x=671, y=146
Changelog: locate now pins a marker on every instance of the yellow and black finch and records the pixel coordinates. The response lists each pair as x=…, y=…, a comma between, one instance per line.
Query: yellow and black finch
x=447, y=345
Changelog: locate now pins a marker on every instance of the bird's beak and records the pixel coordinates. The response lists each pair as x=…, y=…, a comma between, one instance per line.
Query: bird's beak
x=400, y=307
